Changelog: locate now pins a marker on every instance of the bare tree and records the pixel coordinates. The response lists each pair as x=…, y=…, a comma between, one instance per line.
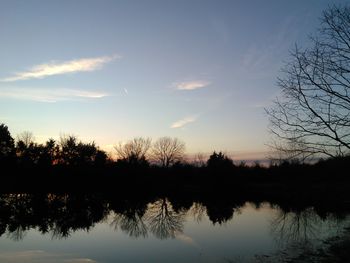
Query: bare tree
x=199, y=160
x=26, y=138
x=288, y=150
x=27, y=150
x=167, y=151
x=313, y=113
x=136, y=148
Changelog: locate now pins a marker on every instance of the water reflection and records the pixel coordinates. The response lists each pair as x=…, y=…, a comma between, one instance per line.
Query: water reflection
x=163, y=221
x=60, y=215
x=299, y=226
x=128, y=216
x=158, y=217
x=133, y=225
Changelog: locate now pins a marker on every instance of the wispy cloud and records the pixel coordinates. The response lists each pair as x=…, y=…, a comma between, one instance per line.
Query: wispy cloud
x=181, y=123
x=58, y=68
x=191, y=85
x=263, y=58
x=49, y=95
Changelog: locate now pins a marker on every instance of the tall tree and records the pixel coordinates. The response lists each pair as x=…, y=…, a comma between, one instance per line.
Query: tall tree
x=68, y=149
x=7, y=143
x=166, y=151
x=73, y=152
x=51, y=152
x=312, y=116
x=27, y=150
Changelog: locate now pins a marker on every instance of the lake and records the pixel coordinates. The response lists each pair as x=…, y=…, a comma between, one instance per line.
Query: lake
x=94, y=228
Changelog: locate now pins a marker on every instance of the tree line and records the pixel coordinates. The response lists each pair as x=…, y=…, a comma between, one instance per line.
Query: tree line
x=69, y=151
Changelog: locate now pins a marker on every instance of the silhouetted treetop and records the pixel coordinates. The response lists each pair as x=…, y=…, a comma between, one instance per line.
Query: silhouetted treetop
x=219, y=161
x=7, y=143
x=77, y=153
x=134, y=150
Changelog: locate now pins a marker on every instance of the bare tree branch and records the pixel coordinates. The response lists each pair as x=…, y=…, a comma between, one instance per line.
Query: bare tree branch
x=312, y=117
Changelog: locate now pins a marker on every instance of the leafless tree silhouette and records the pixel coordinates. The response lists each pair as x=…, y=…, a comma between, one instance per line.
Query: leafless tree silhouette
x=312, y=117
x=26, y=138
x=166, y=151
x=199, y=160
x=135, y=148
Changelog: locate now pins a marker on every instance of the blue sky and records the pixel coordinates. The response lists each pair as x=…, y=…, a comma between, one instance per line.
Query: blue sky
x=108, y=71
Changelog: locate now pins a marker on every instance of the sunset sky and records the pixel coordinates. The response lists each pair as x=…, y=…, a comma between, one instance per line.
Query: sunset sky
x=108, y=71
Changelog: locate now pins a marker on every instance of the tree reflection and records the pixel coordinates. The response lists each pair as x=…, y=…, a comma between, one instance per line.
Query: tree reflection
x=219, y=212
x=198, y=211
x=60, y=215
x=17, y=233
x=133, y=225
x=19, y=219
x=157, y=217
x=163, y=221
x=299, y=226
x=77, y=212
x=128, y=216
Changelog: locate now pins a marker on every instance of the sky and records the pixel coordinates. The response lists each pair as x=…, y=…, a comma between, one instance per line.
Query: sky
x=109, y=71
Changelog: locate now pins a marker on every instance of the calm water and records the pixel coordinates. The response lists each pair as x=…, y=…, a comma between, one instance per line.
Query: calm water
x=68, y=229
